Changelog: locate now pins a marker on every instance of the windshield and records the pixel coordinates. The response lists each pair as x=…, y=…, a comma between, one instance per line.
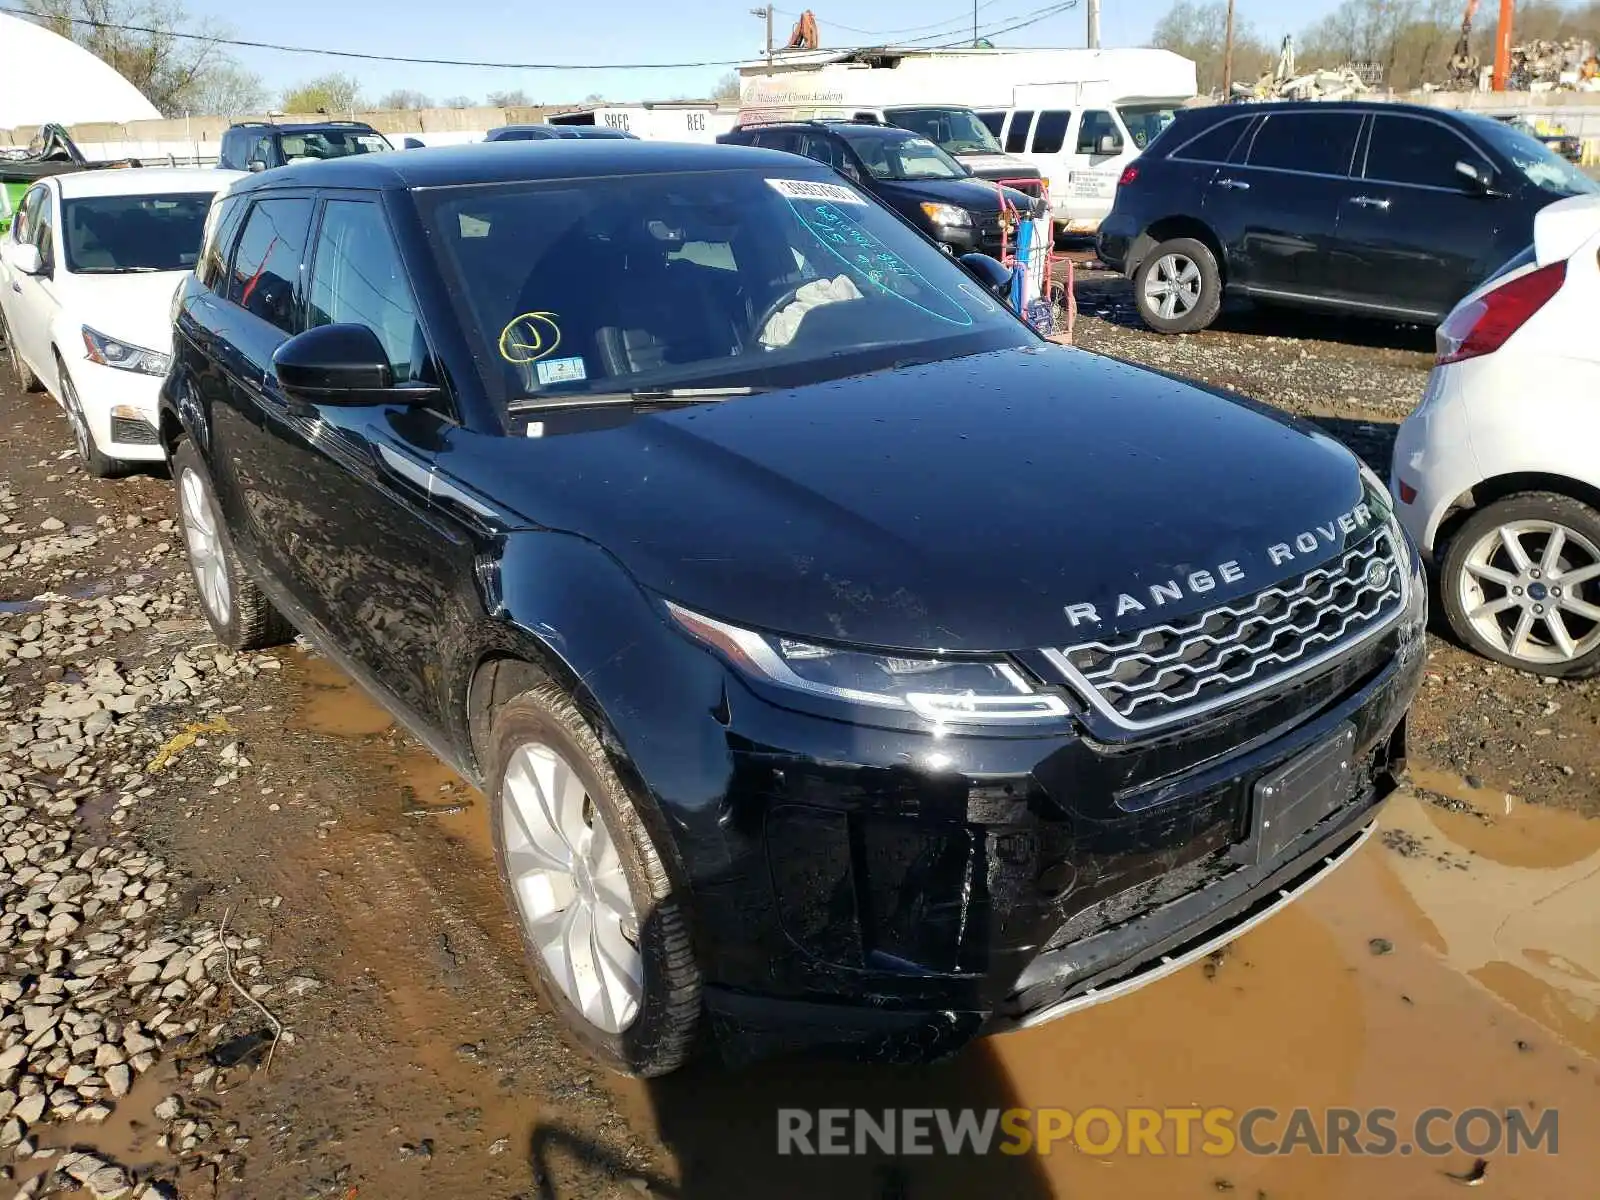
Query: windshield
x=953, y=130
x=700, y=279
x=112, y=235
x=895, y=157
x=1146, y=122
x=332, y=143
x=1539, y=164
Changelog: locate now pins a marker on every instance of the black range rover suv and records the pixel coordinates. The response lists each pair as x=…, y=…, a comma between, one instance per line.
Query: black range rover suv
x=846, y=668
x=1388, y=210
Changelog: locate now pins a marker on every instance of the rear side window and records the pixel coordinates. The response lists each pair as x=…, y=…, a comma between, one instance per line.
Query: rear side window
x=1097, y=124
x=1424, y=153
x=1017, y=135
x=823, y=150
x=1216, y=144
x=265, y=279
x=996, y=121
x=1050, y=131
x=1318, y=143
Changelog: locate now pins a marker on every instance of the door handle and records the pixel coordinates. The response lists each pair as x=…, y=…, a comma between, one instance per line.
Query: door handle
x=1234, y=183
x=1370, y=202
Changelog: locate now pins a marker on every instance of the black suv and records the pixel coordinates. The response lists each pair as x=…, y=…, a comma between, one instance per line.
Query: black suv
x=1384, y=209
x=261, y=146
x=908, y=173
x=545, y=133
x=840, y=662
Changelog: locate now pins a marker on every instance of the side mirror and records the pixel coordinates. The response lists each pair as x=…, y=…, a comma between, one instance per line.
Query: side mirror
x=341, y=364
x=255, y=165
x=24, y=257
x=1109, y=143
x=412, y=143
x=990, y=272
x=1481, y=178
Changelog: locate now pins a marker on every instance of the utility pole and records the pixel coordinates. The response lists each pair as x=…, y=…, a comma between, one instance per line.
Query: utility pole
x=1502, y=47
x=1227, y=57
x=767, y=13
x=1094, y=24
x=974, y=24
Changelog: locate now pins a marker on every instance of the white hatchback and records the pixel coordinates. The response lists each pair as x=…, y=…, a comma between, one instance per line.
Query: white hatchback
x=87, y=275
x=1497, y=473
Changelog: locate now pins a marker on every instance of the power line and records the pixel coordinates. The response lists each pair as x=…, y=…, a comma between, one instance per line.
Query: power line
x=1040, y=14
x=964, y=19
x=394, y=58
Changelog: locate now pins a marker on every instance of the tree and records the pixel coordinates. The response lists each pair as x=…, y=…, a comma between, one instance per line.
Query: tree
x=174, y=73
x=594, y=98
x=405, y=98
x=512, y=99
x=458, y=102
x=1198, y=30
x=333, y=93
x=228, y=90
x=727, y=89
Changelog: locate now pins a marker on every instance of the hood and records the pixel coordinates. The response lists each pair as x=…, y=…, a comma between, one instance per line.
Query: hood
x=131, y=308
x=996, y=166
x=969, y=194
x=966, y=505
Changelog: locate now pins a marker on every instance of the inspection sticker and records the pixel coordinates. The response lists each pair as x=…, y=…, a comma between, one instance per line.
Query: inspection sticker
x=811, y=189
x=560, y=370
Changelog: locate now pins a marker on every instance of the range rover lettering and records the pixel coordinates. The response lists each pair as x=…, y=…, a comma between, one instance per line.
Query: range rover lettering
x=847, y=670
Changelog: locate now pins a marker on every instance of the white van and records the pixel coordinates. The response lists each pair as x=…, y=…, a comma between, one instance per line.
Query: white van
x=1080, y=137
x=1076, y=116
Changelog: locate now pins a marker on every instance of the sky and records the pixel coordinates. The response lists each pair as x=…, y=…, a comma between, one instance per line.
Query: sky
x=699, y=31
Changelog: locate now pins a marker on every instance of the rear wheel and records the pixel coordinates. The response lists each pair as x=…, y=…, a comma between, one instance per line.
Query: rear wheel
x=606, y=941
x=21, y=375
x=1520, y=583
x=238, y=611
x=1178, y=286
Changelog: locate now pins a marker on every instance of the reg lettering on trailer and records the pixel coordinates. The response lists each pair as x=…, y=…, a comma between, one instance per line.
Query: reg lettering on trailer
x=695, y=121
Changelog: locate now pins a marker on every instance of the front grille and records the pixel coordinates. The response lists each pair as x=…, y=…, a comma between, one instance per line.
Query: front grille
x=130, y=432
x=1169, y=672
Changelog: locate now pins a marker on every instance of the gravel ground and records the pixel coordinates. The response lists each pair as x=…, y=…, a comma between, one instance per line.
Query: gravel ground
x=250, y=940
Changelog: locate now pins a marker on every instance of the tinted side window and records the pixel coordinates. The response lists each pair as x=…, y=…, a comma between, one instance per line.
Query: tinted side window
x=1408, y=150
x=1050, y=131
x=1095, y=125
x=266, y=267
x=784, y=140
x=357, y=278
x=1017, y=135
x=994, y=120
x=1305, y=141
x=28, y=216
x=822, y=149
x=1216, y=144
x=44, y=233
x=222, y=227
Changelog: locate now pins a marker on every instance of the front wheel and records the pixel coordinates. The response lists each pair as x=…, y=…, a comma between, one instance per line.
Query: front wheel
x=1178, y=286
x=101, y=466
x=607, y=942
x=1520, y=584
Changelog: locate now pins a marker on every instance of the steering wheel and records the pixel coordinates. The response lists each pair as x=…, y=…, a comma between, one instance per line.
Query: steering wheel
x=774, y=309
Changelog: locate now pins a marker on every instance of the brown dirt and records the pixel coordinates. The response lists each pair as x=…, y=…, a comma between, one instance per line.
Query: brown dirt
x=420, y=1066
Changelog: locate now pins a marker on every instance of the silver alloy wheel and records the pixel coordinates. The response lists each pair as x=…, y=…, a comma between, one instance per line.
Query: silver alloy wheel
x=202, y=532
x=571, y=891
x=1172, y=287
x=1531, y=589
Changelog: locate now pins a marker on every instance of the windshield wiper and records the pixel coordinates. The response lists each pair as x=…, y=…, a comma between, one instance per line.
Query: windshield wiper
x=122, y=270
x=640, y=396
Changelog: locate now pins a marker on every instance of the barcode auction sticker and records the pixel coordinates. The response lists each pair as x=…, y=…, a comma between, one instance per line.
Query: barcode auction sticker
x=810, y=189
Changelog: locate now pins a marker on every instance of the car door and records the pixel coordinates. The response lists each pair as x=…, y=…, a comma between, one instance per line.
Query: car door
x=1094, y=160
x=385, y=569
x=1414, y=234
x=35, y=298
x=12, y=280
x=1277, y=210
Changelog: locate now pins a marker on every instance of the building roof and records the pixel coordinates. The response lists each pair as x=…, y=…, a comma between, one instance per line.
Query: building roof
x=44, y=78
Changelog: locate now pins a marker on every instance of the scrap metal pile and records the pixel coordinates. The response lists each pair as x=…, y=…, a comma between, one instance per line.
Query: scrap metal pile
x=1283, y=82
x=1543, y=66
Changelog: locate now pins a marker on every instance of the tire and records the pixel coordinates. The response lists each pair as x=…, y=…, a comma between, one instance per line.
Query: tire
x=238, y=612
x=532, y=737
x=101, y=466
x=1180, y=260
x=21, y=374
x=1490, y=601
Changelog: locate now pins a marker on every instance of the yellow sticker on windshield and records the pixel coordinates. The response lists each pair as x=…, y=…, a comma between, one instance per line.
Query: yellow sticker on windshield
x=530, y=337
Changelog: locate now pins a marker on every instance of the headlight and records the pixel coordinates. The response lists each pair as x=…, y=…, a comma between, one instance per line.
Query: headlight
x=109, y=352
x=940, y=690
x=947, y=214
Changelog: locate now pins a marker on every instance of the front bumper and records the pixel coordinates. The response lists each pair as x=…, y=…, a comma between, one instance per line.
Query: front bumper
x=887, y=895
x=122, y=408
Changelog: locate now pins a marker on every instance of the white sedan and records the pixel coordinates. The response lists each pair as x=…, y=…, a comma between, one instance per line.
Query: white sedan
x=87, y=275
x=1497, y=473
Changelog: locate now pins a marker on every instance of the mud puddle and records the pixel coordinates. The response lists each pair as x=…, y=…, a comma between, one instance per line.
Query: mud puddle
x=130, y=1136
